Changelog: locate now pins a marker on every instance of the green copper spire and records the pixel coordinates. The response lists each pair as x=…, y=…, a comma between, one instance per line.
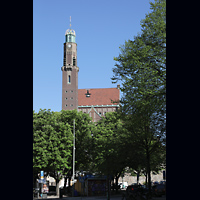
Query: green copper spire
x=70, y=35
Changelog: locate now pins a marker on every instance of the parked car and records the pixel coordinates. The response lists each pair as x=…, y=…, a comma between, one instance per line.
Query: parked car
x=155, y=183
x=114, y=186
x=135, y=190
x=52, y=190
x=162, y=182
x=159, y=190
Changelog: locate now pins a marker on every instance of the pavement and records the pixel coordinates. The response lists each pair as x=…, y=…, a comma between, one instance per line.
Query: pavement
x=112, y=197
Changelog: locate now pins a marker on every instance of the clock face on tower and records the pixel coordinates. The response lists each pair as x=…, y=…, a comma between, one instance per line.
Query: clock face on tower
x=69, y=45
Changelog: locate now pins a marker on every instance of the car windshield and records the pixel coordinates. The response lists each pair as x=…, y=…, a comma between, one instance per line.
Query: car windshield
x=160, y=186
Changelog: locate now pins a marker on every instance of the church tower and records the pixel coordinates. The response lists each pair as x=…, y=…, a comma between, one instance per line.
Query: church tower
x=70, y=72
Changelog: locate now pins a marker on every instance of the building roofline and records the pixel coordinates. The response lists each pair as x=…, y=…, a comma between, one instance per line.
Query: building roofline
x=88, y=106
x=95, y=88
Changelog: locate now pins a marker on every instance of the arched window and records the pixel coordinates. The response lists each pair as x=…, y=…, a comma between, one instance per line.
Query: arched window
x=69, y=79
x=69, y=38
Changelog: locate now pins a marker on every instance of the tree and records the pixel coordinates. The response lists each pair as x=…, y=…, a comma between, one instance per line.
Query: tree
x=110, y=145
x=84, y=127
x=147, y=149
x=141, y=66
x=142, y=62
x=52, y=142
x=39, y=143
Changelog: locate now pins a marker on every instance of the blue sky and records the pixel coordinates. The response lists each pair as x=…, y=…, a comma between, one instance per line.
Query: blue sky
x=101, y=27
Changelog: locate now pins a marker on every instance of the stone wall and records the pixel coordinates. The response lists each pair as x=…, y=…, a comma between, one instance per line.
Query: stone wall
x=133, y=179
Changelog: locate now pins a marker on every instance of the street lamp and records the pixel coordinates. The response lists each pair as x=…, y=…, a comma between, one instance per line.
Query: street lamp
x=73, y=174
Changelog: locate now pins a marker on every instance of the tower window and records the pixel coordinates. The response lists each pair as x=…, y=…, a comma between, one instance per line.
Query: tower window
x=64, y=59
x=69, y=57
x=74, y=61
x=64, y=62
x=69, y=78
x=68, y=68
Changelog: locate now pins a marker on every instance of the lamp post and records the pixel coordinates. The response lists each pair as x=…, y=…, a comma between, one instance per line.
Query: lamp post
x=73, y=174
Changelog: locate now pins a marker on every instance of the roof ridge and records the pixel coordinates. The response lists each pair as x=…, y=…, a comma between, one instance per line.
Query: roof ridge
x=97, y=88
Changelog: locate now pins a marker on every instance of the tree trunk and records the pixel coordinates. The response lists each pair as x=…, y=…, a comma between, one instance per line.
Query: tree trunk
x=117, y=179
x=108, y=187
x=146, y=178
x=148, y=172
x=57, y=187
x=138, y=178
x=65, y=181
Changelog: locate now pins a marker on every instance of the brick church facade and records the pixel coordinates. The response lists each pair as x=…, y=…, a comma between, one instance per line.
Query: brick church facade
x=95, y=102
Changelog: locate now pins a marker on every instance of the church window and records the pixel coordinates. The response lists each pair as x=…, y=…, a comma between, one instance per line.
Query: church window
x=69, y=79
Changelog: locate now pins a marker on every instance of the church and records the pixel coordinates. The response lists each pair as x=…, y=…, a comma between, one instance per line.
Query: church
x=95, y=102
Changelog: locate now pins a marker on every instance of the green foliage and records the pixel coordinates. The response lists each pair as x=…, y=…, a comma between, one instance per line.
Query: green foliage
x=110, y=144
x=83, y=136
x=142, y=63
x=141, y=66
x=52, y=142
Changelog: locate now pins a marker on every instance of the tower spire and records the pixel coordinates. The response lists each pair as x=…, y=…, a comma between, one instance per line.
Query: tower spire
x=70, y=32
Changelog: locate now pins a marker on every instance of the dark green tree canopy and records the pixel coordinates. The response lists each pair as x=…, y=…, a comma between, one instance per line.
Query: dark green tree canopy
x=141, y=66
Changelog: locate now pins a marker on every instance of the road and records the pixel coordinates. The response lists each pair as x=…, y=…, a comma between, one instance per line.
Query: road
x=113, y=197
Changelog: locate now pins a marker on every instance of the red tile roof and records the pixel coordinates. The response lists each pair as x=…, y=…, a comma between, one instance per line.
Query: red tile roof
x=100, y=96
